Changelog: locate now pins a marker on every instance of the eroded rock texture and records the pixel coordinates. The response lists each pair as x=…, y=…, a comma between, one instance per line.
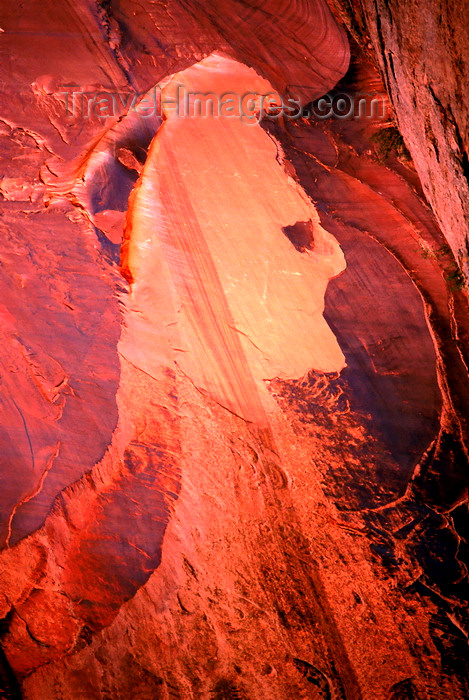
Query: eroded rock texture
x=234, y=391
x=423, y=55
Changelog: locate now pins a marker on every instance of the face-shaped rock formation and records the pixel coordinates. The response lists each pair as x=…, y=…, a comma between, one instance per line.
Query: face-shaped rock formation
x=234, y=346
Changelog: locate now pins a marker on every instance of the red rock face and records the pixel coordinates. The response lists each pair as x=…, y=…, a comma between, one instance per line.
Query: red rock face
x=423, y=57
x=234, y=388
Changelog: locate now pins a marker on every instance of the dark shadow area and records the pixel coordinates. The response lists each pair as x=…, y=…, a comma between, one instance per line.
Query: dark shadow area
x=300, y=235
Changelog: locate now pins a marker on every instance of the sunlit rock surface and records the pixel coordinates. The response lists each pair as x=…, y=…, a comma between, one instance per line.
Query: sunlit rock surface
x=234, y=391
x=214, y=277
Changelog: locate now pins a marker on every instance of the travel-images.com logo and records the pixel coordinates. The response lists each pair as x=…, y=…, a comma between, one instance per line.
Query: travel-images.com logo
x=250, y=107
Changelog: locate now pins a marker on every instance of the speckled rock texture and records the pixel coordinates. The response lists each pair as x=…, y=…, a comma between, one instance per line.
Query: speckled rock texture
x=423, y=54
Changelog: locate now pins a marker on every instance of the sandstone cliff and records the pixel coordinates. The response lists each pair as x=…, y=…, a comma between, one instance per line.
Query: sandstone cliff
x=423, y=55
x=234, y=391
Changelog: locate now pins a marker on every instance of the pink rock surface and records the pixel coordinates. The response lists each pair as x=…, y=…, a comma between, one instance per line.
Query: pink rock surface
x=240, y=469
x=205, y=232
